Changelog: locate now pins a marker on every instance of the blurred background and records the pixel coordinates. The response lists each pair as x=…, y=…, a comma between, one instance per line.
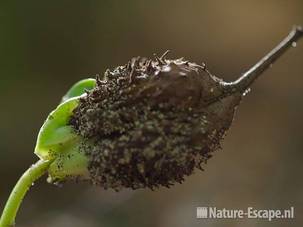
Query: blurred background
x=46, y=46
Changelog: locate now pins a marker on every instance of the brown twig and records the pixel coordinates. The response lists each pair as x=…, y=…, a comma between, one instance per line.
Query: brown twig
x=247, y=79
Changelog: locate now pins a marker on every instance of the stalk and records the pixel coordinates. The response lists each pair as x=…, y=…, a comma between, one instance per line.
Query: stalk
x=249, y=77
x=15, y=199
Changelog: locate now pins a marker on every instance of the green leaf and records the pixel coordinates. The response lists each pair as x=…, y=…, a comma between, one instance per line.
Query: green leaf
x=79, y=88
x=55, y=133
x=69, y=164
x=57, y=141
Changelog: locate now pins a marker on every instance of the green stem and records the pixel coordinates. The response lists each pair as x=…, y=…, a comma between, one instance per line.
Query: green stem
x=19, y=191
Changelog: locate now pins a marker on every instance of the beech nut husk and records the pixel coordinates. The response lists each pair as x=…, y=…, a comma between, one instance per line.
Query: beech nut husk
x=151, y=122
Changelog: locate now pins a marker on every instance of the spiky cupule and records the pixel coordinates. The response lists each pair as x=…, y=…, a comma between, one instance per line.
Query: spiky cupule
x=152, y=122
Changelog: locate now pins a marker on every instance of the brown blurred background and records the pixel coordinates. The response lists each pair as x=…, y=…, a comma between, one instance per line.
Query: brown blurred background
x=46, y=46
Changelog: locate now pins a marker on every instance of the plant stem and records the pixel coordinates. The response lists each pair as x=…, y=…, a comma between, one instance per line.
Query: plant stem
x=19, y=191
x=244, y=82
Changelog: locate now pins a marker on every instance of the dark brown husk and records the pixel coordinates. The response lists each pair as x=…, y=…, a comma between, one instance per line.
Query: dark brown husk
x=152, y=122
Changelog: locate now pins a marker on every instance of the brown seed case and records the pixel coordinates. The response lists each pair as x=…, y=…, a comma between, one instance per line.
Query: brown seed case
x=151, y=122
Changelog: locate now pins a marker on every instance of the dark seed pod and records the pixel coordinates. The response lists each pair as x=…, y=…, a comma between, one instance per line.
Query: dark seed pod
x=151, y=122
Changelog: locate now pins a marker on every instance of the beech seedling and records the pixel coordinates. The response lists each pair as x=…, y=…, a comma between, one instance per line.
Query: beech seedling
x=146, y=124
